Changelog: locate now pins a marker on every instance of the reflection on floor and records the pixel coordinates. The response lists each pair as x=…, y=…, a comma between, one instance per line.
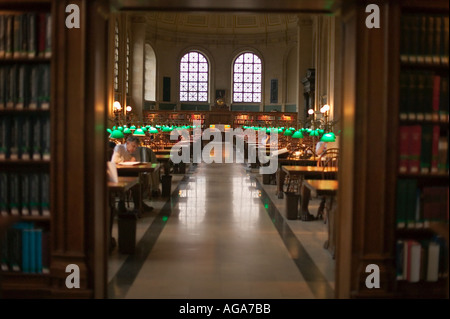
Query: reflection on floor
x=223, y=235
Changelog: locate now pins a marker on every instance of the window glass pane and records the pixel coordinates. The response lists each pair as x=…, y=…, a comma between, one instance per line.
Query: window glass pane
x=247, y=77
x=194, y=69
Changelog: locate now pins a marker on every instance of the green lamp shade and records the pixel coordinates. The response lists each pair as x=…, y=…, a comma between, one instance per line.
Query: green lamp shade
x=153, y=130
x=127, y=130
x=297, y=134
x=288, y=133
x=139, y=132
x=116, y=134
x=314, y=133
x=328, y=137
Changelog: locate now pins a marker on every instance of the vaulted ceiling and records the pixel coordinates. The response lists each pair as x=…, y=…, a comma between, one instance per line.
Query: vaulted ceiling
x=292, y=6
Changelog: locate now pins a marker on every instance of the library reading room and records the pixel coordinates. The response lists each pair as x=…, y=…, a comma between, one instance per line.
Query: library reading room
x=224, y=149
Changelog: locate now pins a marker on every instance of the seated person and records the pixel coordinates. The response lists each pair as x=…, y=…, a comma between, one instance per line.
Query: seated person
x=129, y=152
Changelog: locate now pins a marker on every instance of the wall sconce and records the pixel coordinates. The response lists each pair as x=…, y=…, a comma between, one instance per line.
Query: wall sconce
x=117, y=107
x=128, y=109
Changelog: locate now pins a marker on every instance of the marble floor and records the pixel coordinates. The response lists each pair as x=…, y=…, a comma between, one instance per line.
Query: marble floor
x=223, y=234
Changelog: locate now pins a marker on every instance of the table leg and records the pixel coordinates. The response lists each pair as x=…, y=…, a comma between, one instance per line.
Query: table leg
x=330, y=243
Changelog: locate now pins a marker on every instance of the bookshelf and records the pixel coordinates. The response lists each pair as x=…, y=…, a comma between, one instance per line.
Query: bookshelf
x=26, y=60
x=421, y=170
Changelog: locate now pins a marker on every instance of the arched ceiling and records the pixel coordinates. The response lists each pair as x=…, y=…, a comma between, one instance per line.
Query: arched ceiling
x=220, y=23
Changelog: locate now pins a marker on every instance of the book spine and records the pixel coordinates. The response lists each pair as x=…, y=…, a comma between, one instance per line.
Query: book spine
x=32, y=40
x=9, y=36
x=37, y=148
x=44, y=88
x=15, y=249
x=25, y=144
x=443, y=100
x=48, y=36
x=17, y=35
x=4, y=195
x=45, y=252
x=25, y=194
x=33, y=88
x=38, y=249
x=15, y=138
x=435, y=149
x=41, y=34
x=401, y=203
x=433, y=262
x=24, y=35
x=20, y=99
x=399, y=256
x=45, y=142
x=4, y=260
x=11, y=87
x=415, y=139
x=411, y=203
x=2, y=87
x=2, y=35
x=26, y=250
x=45, y=194
x=426, y=149
x=414, y=261
x=403, y=163
x=14, y=186
x=5, y=137
x=34, y=194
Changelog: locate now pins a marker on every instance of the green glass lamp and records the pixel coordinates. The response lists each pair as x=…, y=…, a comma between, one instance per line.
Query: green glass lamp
x=139, y=132
x=153, y=130
x=297, y=134
x=115, y=134
x=127, y=130
x=288, y=133
x=328, y=137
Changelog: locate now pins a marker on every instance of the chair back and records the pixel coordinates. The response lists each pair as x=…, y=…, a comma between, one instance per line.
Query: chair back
x=147, y=155
x=329, y=159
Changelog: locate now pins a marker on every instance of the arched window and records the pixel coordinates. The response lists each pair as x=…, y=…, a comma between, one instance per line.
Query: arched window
x=150, y=73
x=194, y=76
x=247, y=78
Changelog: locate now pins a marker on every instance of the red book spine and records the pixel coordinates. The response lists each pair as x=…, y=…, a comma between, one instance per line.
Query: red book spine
x=403, y=149
x=415, y=147
x=42, y=34
x=436, y=94
x=435, y=149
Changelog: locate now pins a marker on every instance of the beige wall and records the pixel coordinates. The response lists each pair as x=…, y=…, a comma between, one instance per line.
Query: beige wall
x=286, y=56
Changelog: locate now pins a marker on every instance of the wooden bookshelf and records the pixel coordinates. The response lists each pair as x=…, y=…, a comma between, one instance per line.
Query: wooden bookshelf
x=422, y=104
x=25, y=115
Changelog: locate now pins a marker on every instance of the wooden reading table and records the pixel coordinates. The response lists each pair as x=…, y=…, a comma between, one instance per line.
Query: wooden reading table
x=124, y=184
x=137, y=170
x=329, y=189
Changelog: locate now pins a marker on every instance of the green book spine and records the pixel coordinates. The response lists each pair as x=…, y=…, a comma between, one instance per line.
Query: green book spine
x=443, y=100
x=401, y=203
x=25, y=144
x=45, y=194
x=4, y=194
x=34, y=194
x=25, y=194
x=45, y=135
x=37, y=147
x=15, y=138
x=33, y=87
x=17, y=36
x=20, y=99
x=411, y=203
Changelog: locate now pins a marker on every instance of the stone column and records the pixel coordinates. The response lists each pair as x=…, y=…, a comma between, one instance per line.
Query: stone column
x=304, y=58
x=137, y=65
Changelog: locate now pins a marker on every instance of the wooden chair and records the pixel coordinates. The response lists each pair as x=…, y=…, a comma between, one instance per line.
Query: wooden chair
x=328, y=159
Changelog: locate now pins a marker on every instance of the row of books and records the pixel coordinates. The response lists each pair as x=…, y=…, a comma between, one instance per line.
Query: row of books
x=25, y=35
x=25, y=248
x=423, y=149
x=424, y=260
x=423, y=96
x=418, y=206
x=25, y=86
x=25, y=137
x=25, y=194
x=424, y=39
